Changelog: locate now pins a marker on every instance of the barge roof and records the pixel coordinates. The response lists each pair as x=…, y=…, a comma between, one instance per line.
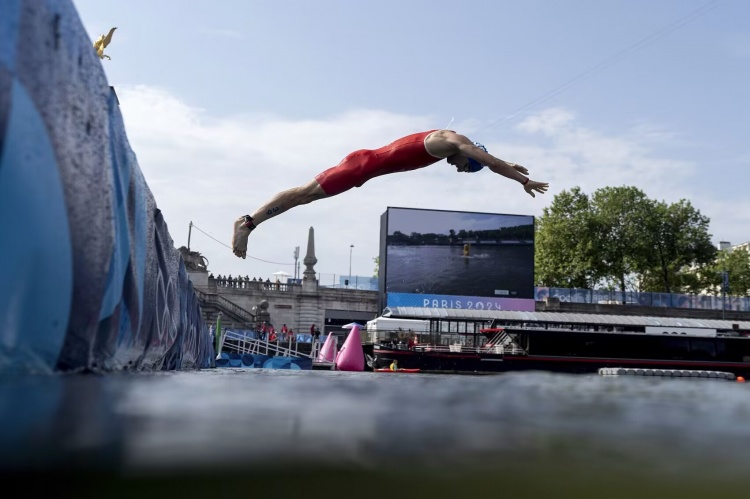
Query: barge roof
x=560, y=317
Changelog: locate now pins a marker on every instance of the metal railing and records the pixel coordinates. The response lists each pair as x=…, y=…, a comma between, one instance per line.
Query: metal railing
x=573, y=295
x=227, y=305
x=242, y=343
x=248, y=284
x=235, y=309
x=511, y=348
x=501, y=342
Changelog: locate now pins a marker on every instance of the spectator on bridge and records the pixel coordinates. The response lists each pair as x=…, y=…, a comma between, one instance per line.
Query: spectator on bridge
x=284, y=332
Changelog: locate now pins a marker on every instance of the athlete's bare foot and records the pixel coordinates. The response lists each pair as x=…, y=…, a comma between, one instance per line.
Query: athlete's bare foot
x=239, y=238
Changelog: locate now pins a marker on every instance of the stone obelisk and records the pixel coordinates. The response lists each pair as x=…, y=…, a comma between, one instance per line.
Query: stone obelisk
x=309, y=281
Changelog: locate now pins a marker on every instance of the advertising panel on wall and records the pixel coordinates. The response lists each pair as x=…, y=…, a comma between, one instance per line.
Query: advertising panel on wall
x=456, y=259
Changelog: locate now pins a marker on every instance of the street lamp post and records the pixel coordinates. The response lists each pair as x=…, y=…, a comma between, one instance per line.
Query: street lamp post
x=351, y=247
x=296, y=263
x=724, y=291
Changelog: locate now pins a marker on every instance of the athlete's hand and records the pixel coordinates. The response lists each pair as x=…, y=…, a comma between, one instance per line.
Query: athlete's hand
x=532, y=186
x=519, y=168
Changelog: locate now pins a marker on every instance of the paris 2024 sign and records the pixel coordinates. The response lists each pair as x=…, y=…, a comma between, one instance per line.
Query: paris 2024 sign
x=457, y=260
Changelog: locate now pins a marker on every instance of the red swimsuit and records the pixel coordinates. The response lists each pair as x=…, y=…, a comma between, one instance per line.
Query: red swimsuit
x=404, y=154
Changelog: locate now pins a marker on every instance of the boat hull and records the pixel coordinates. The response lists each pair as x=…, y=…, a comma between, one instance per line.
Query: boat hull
x=488, y=363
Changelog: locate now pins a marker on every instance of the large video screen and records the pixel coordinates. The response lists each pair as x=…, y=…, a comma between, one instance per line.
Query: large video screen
x=453, y=259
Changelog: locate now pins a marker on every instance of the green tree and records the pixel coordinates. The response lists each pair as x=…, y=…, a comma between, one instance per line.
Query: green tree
x=737, y=263
x=618, y=218
x=621, y=239
x=677, y=239
x=398, y=237
x=564, y=249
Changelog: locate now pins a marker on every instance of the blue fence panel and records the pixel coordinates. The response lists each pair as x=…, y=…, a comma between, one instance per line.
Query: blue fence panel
x=645, y=299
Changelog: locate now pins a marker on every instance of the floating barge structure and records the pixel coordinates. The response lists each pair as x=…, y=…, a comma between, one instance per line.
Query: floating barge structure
x=481, y=341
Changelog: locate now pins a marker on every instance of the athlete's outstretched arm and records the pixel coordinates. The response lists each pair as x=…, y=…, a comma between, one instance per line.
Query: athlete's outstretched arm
x=512, y=171
x=497, y=165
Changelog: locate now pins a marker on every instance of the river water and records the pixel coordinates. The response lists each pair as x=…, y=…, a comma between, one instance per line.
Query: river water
x=443, y=270
x=515, y=434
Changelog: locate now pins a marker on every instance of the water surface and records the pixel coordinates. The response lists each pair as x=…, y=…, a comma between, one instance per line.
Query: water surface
x=443, y=270
x=532, y=434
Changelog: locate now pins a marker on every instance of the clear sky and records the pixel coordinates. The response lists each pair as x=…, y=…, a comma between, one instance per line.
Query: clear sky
x=228, y=102
x=407, y=221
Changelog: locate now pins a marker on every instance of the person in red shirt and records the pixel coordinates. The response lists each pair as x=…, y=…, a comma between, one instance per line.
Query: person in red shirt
x=412, y=341
x=412, y=152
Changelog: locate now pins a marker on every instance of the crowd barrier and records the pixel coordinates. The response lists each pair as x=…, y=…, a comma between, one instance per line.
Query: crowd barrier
x=256, y=335
x=671, y=300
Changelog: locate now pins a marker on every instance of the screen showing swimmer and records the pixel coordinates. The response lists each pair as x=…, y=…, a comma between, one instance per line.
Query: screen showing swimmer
x=450, y=259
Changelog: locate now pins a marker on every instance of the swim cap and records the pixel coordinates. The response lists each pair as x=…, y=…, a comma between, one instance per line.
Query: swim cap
x=474, y=165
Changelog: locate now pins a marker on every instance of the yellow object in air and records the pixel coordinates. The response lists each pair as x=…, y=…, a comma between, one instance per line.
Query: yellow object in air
x=101, y=43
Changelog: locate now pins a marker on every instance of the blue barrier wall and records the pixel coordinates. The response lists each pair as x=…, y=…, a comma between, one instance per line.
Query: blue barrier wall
x=89, y=276
x=645, y=299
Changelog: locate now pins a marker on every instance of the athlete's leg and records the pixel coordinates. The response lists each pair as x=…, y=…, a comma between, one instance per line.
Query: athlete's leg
x=277, y=205
x=288, y=199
